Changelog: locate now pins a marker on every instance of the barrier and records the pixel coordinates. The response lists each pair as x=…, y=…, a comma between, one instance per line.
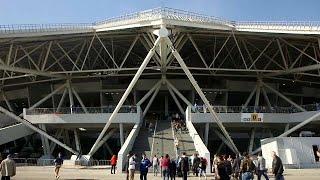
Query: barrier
x=201, y=148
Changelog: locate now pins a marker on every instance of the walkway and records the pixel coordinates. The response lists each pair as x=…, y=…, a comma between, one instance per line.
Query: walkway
x=46, y=173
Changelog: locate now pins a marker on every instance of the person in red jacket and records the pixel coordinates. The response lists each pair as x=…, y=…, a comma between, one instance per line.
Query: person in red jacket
x=113, y=164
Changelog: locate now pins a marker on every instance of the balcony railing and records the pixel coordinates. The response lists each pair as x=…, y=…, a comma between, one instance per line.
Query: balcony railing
x=79, y=110
x=257, y=109
x=33, y=28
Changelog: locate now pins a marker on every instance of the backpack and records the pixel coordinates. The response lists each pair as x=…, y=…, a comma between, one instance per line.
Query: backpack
x=228, y=167
x=184, y=164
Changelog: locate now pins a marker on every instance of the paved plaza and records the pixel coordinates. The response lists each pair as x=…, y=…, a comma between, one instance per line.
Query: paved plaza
x=46, y=173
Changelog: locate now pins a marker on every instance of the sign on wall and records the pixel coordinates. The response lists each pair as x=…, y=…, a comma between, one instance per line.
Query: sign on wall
x=251, y=117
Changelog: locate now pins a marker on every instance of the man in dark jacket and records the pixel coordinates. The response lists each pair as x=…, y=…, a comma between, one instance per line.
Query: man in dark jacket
x=184, y=166
x=277, y=167
x=144, y=166
x=195, y=164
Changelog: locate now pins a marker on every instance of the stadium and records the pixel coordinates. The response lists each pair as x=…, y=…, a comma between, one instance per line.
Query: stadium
x=116, y=86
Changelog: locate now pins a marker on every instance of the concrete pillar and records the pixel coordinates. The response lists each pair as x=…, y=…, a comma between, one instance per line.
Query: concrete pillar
x=121, y=134
x=166, y=105
x=206, y=134
x=251, y=143
x=45, y=141
x=77, y=141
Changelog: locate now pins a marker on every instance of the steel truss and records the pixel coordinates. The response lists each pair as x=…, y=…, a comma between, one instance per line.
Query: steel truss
x=266, y=58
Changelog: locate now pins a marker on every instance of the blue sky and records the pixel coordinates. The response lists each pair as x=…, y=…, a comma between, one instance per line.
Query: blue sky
x=63, y=11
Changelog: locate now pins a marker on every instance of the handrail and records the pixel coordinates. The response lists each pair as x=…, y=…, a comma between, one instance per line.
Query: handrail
x=79, y=110
x=257, y=109
x=174, y=136
x=154, y=134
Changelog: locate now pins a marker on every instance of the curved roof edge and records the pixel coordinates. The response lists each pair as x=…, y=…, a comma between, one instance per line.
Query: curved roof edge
x=158, y=16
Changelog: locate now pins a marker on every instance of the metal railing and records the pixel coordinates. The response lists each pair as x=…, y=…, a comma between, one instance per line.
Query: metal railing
x=33, y=162
x=33, y=28
x=279, y=25
x=257, y=109
x=79, y=110
x=50, y=162
x=164, y=13
x=93, y=163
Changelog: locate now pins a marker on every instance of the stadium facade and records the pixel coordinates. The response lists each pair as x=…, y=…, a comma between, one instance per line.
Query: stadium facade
x=92, y=89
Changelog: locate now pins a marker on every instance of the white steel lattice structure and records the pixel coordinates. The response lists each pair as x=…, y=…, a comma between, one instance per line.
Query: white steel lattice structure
x=111, y=62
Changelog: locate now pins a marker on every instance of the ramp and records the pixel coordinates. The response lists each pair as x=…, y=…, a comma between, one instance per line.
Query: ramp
x=14, y=132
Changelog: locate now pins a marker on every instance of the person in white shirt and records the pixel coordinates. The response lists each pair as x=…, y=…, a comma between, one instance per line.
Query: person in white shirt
x=155, y=164
x=132, y=166
x=7, y=168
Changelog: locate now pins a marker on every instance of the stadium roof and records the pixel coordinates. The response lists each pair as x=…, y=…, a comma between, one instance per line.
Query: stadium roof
x=156, y=17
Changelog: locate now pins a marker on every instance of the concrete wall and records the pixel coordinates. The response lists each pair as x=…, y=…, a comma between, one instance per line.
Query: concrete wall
x=81, y=118
x=294, y=151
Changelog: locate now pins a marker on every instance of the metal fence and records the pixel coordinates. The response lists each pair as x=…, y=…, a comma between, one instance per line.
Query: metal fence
x=164, y=13
x=33, y=162
x=79, y=110
x=32, y=28
x=50, y=162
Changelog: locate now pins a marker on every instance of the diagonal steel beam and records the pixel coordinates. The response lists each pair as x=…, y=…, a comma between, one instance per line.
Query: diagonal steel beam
x=40, y=131
x=176, y=100
x=151, y=101
x=148, y=93
x=198, y=51
x=29, y=71
x=129, y=50
x=104, y=47
x=283, y=97
x=225, y=42
x=199, y=91
x=125, y=95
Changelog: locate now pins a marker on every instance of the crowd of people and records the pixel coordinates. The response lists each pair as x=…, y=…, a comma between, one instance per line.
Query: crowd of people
x=245, y=167
x=167, y=167
x=240, y=167
x=179, y=124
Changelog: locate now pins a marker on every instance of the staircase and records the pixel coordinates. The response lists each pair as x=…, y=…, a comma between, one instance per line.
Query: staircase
x=143, y=143
x=162, y=141
x=185, y=143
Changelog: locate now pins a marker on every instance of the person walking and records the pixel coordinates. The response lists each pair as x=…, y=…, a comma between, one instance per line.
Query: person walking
x=202, y=167
x=113, y=162
x=155, y=165
x=132, y=166
x=195, y=165
x=247, y=168
x=173, y=169
x=160, y=162
x=277, y=167
x=127, y=165
x=236, y=167
x=57, y=164
x=220, y=171
x=184, y=166
x=165, y=167
x=144, y=166
x=7, y=168
x=261, y=167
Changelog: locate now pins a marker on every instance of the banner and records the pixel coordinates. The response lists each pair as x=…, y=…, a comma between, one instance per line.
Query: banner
x=251, y=117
